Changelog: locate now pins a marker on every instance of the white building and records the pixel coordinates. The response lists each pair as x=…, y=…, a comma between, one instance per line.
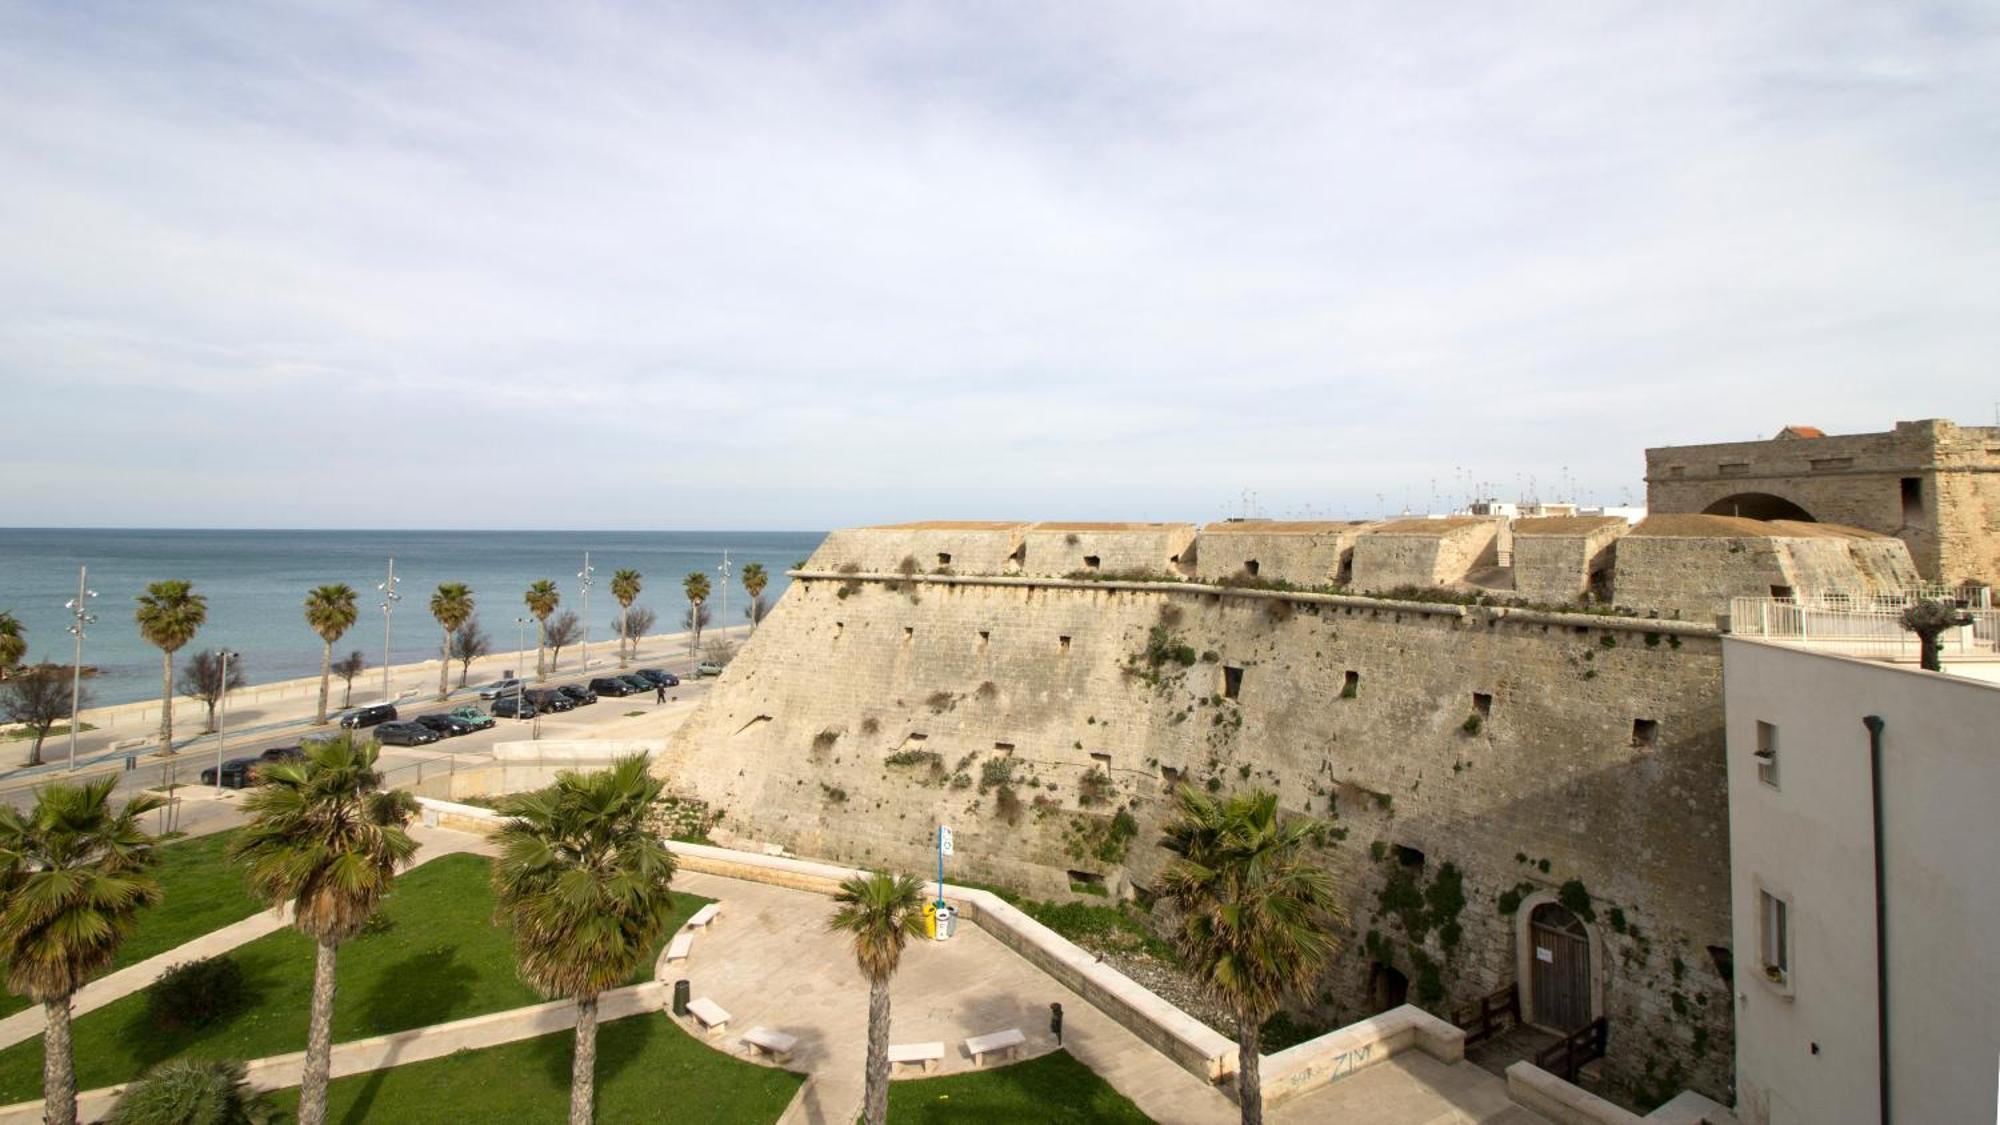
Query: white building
x=1804, y=730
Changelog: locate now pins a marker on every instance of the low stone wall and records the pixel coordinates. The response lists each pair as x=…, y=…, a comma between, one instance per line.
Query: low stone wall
x=582, y=750
x=1533, y=1088
x=1337, y=1054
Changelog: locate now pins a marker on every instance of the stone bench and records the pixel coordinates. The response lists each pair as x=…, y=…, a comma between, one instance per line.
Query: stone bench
x=774, y=1043
x=713, y=1018
x=680, y=947
x=926, y=1055
x=704, y=916
x=979, y=1046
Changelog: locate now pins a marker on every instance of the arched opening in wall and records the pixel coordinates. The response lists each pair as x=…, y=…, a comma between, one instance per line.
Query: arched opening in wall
x=1387, y=987
x=1558, y=969
x=1758, y=506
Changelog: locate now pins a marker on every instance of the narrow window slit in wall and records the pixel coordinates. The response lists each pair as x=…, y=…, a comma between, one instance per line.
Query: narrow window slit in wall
x=1913, y=499
x=1645, y=733
x=1003, y=748
x=1102, y=760
x=1482, y=704
x=944, y=558
x=1091, y=561
x=1250, y=567
x=1232, y=682
x=909, y=632
x=1350, y=684
x=1063, y=642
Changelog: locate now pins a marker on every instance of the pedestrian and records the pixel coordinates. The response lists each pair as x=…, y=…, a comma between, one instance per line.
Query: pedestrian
x=659, y=693
x=1055, y=1022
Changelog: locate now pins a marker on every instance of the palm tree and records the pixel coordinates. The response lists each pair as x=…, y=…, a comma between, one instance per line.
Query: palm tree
x=584, y=883
x=452, y=606
x=1255, y=912
x=625, y=587
x=881, y=911
x=696, y=585
x=754, y=581
x=325, y=839
x=330, y=611
x=74, y=873
x=13, y=643
x=169, y=614
x=542, y=599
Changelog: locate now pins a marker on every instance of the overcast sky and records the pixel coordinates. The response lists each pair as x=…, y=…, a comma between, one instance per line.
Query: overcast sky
x=801, y=266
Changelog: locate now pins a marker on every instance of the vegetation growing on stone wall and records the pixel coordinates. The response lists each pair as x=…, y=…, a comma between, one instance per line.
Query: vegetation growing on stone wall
x=1095, y=788
x=994, y=772
x=986, y=691
x=1576, y=900
x=1007, y=804
x=1471, y=724
x=1164, y=658
x=1105, y=839
x=1509, y=900
x=941, y=701
x=686, y=819
x=871, y=725
x=915, y=758
x=848, y=586
x=833, y=793
x=824, y=740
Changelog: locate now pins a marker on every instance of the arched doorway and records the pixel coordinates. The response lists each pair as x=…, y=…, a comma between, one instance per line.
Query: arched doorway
x=1387, y=987
x=1758, y=506
x=1558, y=969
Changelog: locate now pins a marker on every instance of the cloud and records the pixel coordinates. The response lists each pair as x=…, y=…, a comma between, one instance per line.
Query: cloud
x=806, y=265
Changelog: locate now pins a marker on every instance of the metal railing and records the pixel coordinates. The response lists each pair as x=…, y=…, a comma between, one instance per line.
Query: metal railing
x=1863, y=626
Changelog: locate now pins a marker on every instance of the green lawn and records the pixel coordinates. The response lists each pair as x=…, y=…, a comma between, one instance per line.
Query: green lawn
x=203, y=892
x=646, y=1067
x=1054, y=1087
x=439, y=957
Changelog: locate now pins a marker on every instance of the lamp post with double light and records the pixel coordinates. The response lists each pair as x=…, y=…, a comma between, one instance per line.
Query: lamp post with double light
x=81, y=617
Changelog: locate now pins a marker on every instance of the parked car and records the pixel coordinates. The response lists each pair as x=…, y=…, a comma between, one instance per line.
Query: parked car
x=659, y=677
x=473, y=716
x=283, y=754
x=639, y=684
x=368, y=716
x=446, y=725
x=612, y=686
x=707, y=668
x=237, y=773
x=578, y=694
x=549, y=699
x=513, y=707
x=498, y=688
x=406, y=734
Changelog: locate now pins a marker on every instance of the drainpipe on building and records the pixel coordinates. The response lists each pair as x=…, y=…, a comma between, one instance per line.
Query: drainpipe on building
x=1875, y=725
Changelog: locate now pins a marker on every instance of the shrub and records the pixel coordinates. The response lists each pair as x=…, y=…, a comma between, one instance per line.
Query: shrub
x=1095, y=788
x=994, y=772
x=914, y=758
x=940, y=702
x=1007, y=804
x=824, y=740
x=192, y=1092
x=1471, y=724
x=196, y=993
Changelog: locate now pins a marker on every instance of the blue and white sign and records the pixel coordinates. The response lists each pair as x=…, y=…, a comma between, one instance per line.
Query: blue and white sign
x=944, y=840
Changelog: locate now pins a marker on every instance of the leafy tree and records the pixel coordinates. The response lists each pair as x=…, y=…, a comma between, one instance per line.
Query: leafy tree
x=754, y=581
x=882, y=912
x=37, y=696
x=325, y=839
x=696, y=587
x=208, y=677
x=469, y=642
x=74, y=875
x=348, y=667
x=625, y=586
x=583, y=881
x=542, y=599
x=13, y=643
x=1255, y=913
x=452, y=606
x=1928, y=620
x=169, y=615
x=562, y=631
x=330, y=611
x=193, y=1092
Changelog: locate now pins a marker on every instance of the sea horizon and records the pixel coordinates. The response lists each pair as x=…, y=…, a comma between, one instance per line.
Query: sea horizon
x=256, y=580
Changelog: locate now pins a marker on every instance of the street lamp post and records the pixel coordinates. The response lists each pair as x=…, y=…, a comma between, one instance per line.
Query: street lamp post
x=583, y=583
x=222, y=718
x=724, y=570
x=389, y=599
x=520, y=655
x=80, y=611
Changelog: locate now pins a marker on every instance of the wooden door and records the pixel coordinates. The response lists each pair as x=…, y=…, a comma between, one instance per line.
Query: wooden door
x=1560, y=968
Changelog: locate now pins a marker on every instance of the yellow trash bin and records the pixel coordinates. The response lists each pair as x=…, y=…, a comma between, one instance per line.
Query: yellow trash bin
x=930, y=920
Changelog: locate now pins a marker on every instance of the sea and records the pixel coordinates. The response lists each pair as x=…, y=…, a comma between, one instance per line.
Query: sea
x=256, y=584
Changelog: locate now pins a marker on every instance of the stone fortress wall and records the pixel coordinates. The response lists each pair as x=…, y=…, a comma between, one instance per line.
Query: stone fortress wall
x=1932, y=484
x=1562, y=558
x=1476, y=761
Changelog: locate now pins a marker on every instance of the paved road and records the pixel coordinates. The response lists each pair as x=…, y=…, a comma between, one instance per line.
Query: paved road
x=401, y=764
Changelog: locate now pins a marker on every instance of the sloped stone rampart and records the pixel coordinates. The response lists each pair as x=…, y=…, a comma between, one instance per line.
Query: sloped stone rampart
x=1026, y=714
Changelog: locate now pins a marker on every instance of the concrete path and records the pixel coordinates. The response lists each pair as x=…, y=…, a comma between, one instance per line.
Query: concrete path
x=30, y=1022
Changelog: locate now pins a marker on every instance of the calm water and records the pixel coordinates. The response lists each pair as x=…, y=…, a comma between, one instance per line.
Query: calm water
x=256, y=582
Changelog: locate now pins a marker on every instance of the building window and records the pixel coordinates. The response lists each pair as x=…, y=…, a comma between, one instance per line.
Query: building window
x=1774, y=936
x=1232, y=682
x=944, y=558
x=1250, y=567
x=1092, y=561
x=1482, y=704
x=1913, y=499
x=1350, y=684
x=1063, y=642
x=1645, y=733
x=1767, y=754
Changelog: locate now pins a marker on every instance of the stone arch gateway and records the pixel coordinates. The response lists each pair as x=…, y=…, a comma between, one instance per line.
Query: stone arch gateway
x=1759, y=506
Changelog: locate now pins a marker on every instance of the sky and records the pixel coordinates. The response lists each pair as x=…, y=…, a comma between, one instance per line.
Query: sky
x=750, y=265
